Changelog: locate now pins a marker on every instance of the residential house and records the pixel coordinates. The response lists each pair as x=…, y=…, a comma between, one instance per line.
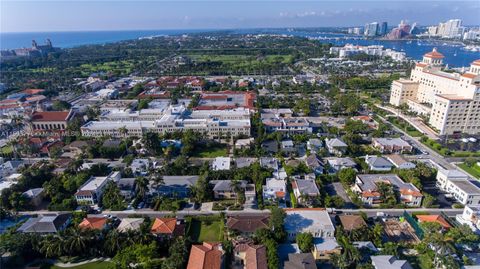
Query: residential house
x=46, y=224
x=127, y=187
x=221, y=163
x=470, y=217
x=206, y=256
x=288, y=147
x=367, y=187
x=352, y=222
x=269, y=163
x=376, y=163
x=169, y=227
x=399, y=162
x=91, y=191
x=97, y=223
x=314, y=144
x=130, y=224
x=242, y=162
x=391, y=145
x=314, y=163
x=247, y=224
x=9, y=167
x=300, y=261
x=324, y=248
x=434, y=218
x=140, y=167
x=389, y=262
x=336, y=146
x=250, y=256
x=270, y=146
x=458, y=185
x=336, y=164
x=35, y=196
x=275, y=190
x=309, y=220
x=305, y=188
x=223, y=189
x=243, y=143
x=175, y=186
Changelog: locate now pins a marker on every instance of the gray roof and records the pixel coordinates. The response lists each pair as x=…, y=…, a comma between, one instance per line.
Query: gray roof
x=313, y=161
x=269, y=162
x=369, y=181
x=300, y=261
x=32, y=193
x=307, y=186
x=226, y=185
x=325, y=243
x=348, y=162
x=391, y=141
x=44, y=224
x=180, y=180
x=244, y=162
x=315, y=142
x=112, y=143
x=389, y=262
x=375, y=161
x=335, y=143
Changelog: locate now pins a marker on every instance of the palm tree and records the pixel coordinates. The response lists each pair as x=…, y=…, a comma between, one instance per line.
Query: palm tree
x=236, y=186
x=13, y=143
x=141, y=187
x=112, y=242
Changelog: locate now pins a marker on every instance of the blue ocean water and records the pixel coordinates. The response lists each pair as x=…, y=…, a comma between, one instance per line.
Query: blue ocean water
x=455, y=54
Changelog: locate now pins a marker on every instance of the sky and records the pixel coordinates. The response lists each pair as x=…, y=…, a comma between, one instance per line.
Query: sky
x=95, y=15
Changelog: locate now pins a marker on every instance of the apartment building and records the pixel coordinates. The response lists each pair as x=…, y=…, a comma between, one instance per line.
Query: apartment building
x=214, y=123
x=470, y=217
x=458, y=185
x=367, y=187
x=450, y=100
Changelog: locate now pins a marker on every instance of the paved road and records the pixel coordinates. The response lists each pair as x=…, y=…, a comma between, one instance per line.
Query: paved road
x=433, y=155
x=370, y=212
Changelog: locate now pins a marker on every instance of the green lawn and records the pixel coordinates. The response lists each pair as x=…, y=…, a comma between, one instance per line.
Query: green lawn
x=204, y=231
x=6, y=150
x=421, y=261
x=211, y=152
x=474, y=170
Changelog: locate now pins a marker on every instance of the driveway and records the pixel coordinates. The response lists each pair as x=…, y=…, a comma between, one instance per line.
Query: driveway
x=336, y=188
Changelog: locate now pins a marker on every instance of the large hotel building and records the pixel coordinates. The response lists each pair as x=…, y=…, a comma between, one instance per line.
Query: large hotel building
x=450, y=100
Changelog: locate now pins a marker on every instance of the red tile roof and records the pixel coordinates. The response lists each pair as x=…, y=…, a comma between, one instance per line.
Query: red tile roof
x=93, y=223
x=434, y=218
x=164, y=225
x=247, y=223
x=469, y=75
x=434, y=54
x=206, y=256
x=51, y=116
x=476, y=62
x=32, y=91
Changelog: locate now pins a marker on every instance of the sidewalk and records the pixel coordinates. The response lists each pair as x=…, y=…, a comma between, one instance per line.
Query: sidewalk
x=416, y=122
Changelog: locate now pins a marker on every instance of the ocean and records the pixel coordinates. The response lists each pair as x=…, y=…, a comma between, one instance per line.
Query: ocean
x=455, y=54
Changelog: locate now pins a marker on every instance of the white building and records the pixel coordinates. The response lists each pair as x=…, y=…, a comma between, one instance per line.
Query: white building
x=472, y=34
x=221, y=163
x=449, y=29
x=470, y=217
x=91, y=192
x=214, y=123
x=313, y=220
x=367, y=187
x=373, y=50
x=450, y=100
x=459, y=186
x=274, y=189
